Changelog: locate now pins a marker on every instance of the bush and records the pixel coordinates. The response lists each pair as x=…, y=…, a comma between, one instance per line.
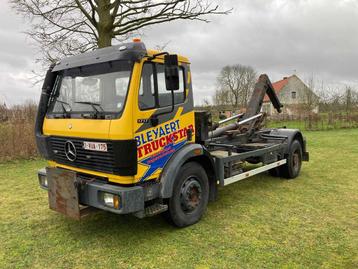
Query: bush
x=17, y=137
x=315, y=122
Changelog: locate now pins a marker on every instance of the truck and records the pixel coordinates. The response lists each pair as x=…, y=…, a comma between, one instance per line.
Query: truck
x=118, y=129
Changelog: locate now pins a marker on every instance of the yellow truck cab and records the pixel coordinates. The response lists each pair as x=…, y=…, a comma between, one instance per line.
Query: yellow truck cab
x=118, y=128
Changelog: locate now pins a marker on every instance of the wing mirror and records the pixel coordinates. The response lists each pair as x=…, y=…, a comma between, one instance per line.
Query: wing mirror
x=171, y=72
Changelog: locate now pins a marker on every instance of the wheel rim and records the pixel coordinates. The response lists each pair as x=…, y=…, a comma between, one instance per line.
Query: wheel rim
x=190, y=194
x=296, y=161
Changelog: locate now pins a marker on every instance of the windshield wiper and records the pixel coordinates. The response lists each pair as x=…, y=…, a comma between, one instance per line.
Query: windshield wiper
x=94, y=106
x=65, y=112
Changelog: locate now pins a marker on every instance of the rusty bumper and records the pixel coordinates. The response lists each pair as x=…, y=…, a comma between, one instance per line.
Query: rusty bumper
x=74, y=197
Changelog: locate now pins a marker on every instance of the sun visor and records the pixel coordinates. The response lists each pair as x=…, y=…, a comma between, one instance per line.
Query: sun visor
x=133, y=51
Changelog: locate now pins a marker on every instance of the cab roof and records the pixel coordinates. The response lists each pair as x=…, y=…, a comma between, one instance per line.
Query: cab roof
x=181, y=58
x=133, y=51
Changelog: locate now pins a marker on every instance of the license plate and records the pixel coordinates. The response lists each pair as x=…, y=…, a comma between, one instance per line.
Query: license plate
x=95, y=146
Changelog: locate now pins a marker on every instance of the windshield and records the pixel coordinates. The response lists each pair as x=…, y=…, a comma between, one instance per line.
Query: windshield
x=98, y=90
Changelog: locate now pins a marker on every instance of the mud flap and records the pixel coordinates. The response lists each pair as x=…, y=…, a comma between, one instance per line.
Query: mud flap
x=63, y=194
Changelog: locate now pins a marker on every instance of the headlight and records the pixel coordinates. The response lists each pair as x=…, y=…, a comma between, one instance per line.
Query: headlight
x=111, y=200
x=43, y=181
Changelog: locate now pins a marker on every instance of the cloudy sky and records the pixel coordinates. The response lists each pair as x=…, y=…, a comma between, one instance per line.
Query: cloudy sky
x=277, y=37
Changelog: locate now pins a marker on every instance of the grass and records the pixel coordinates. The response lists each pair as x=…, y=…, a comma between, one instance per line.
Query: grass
x=263, y=222
x=293, y=124
x=319, y=125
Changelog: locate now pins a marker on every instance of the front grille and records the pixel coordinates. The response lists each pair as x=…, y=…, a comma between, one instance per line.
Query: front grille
x=93, y=160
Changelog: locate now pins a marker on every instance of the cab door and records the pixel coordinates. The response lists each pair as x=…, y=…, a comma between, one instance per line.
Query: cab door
x=159, y=129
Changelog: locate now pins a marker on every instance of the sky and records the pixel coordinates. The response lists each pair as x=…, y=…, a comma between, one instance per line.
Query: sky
x=308, y=38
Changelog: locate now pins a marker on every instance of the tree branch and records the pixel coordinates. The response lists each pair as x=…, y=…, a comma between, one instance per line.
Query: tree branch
x=65, y=27
x=83, y=10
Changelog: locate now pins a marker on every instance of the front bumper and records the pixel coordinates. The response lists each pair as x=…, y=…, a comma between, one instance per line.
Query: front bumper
x=68, y=193
x=131, y=198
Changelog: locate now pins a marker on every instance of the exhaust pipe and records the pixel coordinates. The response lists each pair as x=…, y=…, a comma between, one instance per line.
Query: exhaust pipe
x=47, y=86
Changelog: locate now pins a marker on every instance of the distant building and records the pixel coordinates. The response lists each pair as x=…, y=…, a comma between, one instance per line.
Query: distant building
x=225, y=111
x=293, y=94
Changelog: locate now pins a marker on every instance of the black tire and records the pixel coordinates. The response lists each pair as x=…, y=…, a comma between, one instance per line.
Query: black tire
x=294, y=161
x=274, y=172
x=190, y=195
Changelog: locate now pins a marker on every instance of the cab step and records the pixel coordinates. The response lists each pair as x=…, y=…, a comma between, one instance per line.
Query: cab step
x=155, y=209
x=151, y=211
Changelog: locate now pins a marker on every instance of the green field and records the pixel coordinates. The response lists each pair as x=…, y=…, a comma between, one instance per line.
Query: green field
x=321, y=125
x=264, y=222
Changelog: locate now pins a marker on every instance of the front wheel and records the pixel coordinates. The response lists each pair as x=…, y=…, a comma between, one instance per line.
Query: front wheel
x=190, y=195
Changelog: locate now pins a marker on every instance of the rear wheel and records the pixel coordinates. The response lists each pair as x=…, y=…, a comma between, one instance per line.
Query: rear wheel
x=275, y=172
x=294, y=161
x=190, y=195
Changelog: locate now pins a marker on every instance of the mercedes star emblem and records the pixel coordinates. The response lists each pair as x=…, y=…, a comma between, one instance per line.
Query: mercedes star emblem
x=70, y=151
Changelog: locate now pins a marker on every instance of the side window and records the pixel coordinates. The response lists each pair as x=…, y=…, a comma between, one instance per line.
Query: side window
x=152, y=86
x=164, y=96
x=146, y=90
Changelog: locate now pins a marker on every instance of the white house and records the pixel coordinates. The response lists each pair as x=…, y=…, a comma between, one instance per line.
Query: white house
x=294, y=94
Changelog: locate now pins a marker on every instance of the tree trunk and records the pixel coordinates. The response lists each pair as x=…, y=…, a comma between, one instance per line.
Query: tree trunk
x=105, y=24
x=309, y=121
x=104, y=39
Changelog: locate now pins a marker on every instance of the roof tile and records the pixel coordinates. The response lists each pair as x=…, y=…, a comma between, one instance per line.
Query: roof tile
x=278, y=86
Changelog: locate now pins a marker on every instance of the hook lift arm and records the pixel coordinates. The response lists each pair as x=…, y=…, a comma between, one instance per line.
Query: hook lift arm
x=262, y=87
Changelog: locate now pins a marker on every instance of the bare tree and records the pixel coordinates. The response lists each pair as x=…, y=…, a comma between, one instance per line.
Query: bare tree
x=3, y=112
x=324, y=94
x=235, y=84
x=162, y=46
x=66, y=27
x=310, y=100
x=349, y=100
x=335, y=102
x=221, y=97
x=206, y=102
